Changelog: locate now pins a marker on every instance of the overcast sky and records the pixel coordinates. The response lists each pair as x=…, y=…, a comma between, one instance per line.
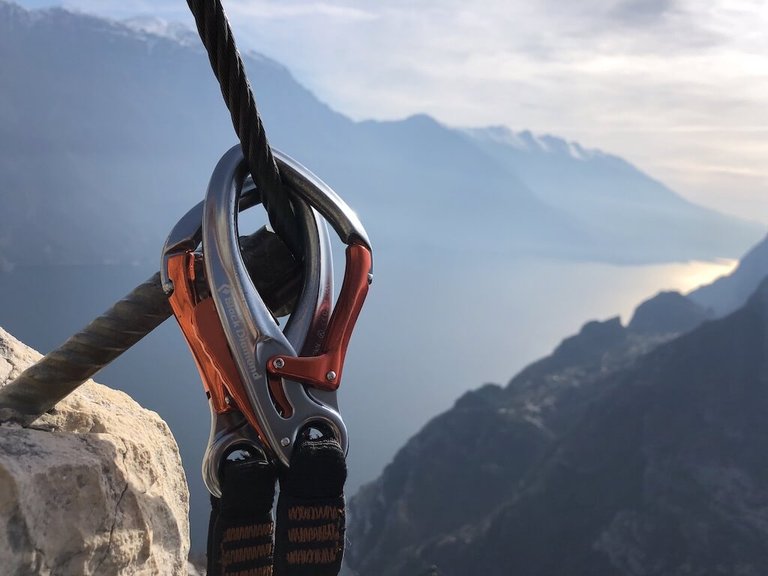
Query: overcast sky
x=678, y=87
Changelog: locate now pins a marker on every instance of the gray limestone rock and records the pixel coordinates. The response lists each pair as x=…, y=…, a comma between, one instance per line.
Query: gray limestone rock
x=95, y=486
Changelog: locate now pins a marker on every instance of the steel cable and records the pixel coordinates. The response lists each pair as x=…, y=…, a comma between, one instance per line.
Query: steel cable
x=273, y=270
x=216, y=35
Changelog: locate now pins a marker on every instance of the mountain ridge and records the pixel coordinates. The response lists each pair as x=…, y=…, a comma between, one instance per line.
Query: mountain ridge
x=96, y=101
x=640, y=207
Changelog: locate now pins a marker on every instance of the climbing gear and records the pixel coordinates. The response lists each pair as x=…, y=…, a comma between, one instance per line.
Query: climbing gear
x=270, y=363
x=268, y=388
x=233, y=422
x=279, y=381
x=281, y=390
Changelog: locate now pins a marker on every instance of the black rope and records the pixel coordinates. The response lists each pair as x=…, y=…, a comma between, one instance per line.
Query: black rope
x=216, y=34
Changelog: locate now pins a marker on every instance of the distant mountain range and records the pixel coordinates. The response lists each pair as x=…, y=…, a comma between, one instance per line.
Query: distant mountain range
x=109, y=132
x=628, y=213
x=630, y=450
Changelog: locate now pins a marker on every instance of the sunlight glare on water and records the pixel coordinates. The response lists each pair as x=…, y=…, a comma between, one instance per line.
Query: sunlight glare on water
x=681, y=277
x=695, y=274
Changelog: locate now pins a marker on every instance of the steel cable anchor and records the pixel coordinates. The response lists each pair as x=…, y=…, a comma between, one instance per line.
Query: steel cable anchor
x=265, y=385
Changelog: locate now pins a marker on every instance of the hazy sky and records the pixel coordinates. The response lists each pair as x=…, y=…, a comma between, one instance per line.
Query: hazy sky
x=678, y=87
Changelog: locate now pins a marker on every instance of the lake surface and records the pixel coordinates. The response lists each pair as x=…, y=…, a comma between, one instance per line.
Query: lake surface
x=434, y=327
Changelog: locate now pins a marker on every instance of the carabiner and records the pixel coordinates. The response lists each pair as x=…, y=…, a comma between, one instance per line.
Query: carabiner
x=265, y=385
x=285, y=392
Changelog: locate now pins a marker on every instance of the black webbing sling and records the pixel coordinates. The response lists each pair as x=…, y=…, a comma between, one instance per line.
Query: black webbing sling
x=307, y=537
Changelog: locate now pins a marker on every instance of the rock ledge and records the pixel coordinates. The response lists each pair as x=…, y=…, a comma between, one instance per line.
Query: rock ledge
x=94, y=487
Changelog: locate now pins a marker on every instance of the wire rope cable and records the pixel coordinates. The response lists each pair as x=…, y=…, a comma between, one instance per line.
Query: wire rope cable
x=216, y=35
x=38, y=388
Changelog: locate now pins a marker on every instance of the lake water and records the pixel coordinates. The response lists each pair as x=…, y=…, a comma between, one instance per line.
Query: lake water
x=434, y=327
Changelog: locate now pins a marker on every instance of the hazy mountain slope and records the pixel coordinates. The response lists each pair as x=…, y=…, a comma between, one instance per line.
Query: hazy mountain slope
x=617, y=201
x=629, y=450
x=664, y=475
x=728, y=293
x=466, y=463
x=98, y=158
x=103, y=124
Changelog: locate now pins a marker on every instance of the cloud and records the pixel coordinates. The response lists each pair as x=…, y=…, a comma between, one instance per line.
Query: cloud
x=632, y=12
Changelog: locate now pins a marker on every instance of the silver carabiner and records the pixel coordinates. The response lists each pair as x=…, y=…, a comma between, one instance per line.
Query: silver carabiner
x=286, y=381
x=230, y=429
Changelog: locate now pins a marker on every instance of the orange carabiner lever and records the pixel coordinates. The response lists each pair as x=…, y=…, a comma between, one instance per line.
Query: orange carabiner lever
x=324, y=370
